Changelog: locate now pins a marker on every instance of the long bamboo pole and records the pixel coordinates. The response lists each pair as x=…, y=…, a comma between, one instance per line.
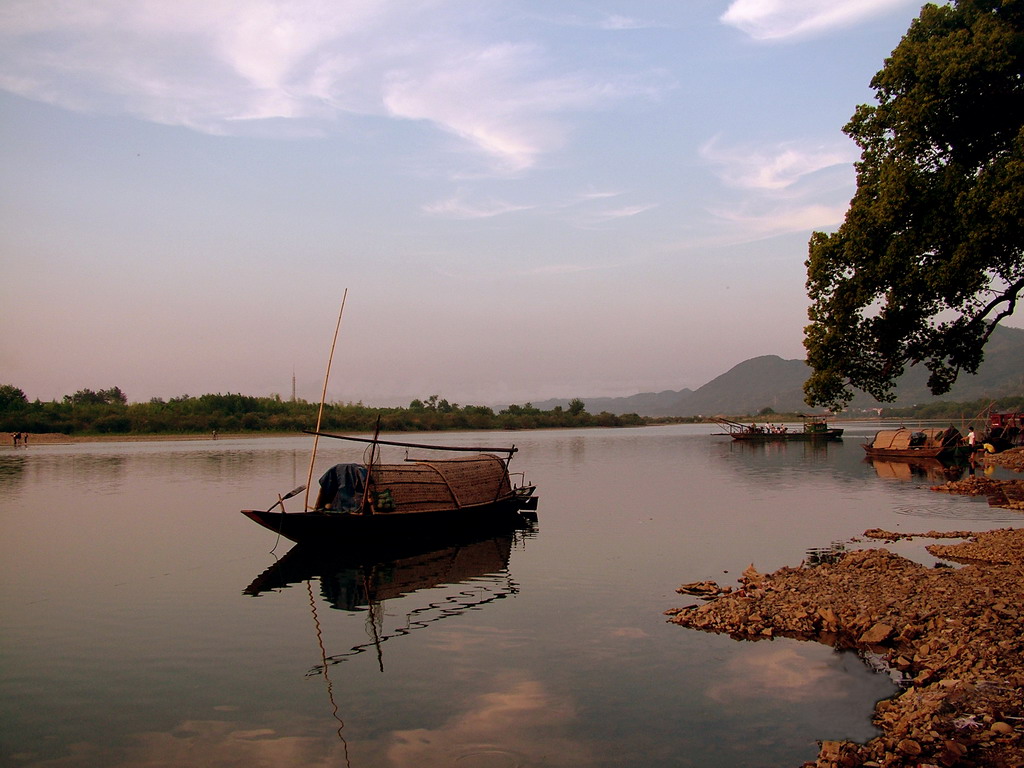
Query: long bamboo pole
x=477, y=449
x=323, y=397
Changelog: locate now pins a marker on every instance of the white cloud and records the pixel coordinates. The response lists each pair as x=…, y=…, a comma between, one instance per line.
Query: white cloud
x=785, y=187
x=617, y=22
x=780, y=220
x=596, y=19
x=562, y=269
x=776, y=167
x=599, y=194
x=625, y=212
x=489, y=97
x=223, y=66
x=457, y=208
x=779, y=19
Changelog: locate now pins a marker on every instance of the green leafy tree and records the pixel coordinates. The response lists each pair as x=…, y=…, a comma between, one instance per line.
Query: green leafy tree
x=11, y=397
x=114, y=396
x=576, y=406
x=929, y=258
x=84, y=397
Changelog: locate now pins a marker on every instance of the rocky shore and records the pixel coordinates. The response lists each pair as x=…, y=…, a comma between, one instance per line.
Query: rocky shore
x=956, y=635
x=1012, y=459
x=1008, y=494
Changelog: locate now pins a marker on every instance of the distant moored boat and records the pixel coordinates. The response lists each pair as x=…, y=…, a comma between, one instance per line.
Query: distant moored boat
x=814, y=428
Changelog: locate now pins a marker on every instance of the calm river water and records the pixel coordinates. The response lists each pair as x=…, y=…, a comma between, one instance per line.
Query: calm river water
x=147, y=623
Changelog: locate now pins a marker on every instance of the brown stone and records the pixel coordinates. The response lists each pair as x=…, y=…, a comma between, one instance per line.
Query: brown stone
x=878, y=634
x=955, y=748
x=909, y=747
x=751, y=575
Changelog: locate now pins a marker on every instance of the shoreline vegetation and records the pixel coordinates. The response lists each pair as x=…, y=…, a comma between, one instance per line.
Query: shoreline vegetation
x=107, y=413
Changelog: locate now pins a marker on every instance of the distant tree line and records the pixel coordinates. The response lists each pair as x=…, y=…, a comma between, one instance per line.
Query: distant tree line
x=108, y=412
x=952, y=410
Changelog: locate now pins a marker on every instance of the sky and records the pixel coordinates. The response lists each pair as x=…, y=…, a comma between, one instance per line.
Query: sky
x=523, y=199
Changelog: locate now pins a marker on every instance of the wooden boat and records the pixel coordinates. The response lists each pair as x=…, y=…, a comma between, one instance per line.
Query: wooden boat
x=925, y=443
x=359, y=502
x=815, y=428
x=1005, y=431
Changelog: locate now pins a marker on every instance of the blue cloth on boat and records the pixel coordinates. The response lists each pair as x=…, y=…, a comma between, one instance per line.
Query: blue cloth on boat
x=342, y=487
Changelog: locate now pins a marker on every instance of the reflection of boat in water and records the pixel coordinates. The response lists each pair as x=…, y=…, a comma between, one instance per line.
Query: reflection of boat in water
x=364, y=501
x=361, y=580
x=815, y=428
x=906, y=468
x=924, y=443
x=354, y=580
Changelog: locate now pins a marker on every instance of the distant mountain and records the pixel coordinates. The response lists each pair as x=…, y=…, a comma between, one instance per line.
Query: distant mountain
x=771, y=382
x=761, y=382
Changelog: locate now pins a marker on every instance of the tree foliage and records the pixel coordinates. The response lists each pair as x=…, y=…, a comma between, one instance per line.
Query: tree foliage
x=88, y=397
x=109, y=412
x=956, y=412
x=929, y=258
x=11, y=397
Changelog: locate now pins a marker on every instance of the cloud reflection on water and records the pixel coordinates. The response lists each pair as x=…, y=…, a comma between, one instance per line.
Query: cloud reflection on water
x=520, y=720
x=203, y=743
x=771, y=671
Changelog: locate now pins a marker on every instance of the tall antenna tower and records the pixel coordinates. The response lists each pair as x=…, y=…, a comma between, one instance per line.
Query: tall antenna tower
x=293, y=383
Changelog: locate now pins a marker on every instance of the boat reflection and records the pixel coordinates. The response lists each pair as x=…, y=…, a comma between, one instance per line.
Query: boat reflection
x=362, y=581
x=817, y=449
x=933, y=470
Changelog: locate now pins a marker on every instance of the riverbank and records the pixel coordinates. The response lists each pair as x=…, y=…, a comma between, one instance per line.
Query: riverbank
x=1011, y=459
x=954, y=634
x=1007, y=494
x=57, y=438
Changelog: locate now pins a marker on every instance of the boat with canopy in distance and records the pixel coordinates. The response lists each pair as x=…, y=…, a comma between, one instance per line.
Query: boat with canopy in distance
x=814, y=428
x=361, y=501
x=920, y=443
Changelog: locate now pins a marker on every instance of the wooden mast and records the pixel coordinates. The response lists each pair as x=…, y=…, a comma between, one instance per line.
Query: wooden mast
x=323, y=397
